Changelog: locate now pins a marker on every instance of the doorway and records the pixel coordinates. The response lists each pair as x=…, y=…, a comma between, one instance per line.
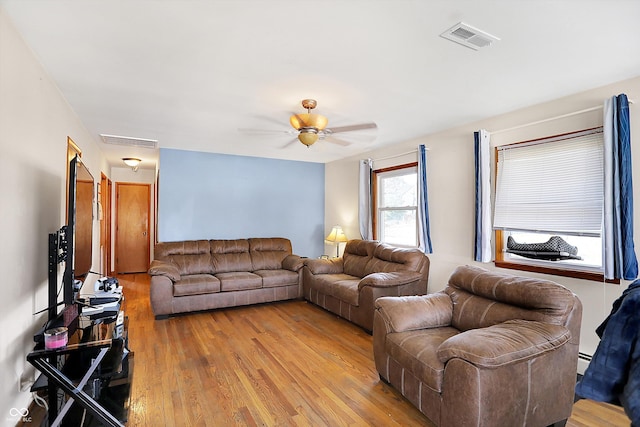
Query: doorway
x=132, y=248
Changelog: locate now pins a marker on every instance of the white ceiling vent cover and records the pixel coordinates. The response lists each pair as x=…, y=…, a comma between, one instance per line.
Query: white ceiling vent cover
x=129, y=141
x=468, y=36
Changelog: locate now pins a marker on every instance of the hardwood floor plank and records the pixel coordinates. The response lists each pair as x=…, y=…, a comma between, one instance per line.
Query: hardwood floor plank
x=285, y=364
x=588, y=413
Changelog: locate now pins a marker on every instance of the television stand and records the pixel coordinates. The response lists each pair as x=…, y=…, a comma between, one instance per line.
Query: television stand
x=94, y=370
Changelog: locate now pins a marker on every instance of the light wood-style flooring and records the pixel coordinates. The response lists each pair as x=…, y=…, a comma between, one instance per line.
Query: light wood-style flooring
x=285, y=364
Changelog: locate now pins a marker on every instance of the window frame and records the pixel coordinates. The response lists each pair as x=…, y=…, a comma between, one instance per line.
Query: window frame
x=375, y=202
x=536, y=267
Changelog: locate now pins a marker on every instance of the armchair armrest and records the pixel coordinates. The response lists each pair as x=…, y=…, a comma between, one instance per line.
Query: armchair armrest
x=164, y=268
x=505, y=343
x=292, y=262
x=388, y=280
x=324, y=266
x=411, y=313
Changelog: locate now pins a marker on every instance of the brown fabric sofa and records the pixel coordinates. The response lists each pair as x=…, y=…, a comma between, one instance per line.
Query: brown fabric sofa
x=205, y=274
x=489, y=350
x=349, y=285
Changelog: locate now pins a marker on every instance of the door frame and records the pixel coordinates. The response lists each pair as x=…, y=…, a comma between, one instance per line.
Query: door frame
x=105, y=223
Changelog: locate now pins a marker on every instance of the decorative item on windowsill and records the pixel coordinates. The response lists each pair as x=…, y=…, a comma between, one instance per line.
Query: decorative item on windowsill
x=336, y=237
x=554, y=249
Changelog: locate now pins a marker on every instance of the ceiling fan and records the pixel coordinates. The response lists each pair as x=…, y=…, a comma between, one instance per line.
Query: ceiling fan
x=309, y=127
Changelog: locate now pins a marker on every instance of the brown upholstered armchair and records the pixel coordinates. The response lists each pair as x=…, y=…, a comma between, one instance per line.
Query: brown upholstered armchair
x=489, y=350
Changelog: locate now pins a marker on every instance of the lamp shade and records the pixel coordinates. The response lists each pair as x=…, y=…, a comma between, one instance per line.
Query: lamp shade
x=307, y=138
x=336, y=235
x=308, y=120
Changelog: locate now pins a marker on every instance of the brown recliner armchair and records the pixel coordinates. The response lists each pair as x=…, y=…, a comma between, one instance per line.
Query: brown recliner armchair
x=489, y=350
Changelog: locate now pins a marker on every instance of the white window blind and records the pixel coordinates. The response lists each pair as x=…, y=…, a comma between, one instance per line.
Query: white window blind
x=553, y=185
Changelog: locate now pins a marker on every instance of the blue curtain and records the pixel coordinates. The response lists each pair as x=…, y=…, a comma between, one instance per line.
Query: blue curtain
x=424, y=235
x=483, y=232
x=364, y=199
x=620, y=256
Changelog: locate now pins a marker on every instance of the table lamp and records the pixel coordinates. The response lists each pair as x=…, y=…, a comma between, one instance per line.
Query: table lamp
x=336, y=236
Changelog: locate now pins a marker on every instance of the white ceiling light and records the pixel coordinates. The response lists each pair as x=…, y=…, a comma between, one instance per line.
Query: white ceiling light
x=132, y=162
x=468, y=36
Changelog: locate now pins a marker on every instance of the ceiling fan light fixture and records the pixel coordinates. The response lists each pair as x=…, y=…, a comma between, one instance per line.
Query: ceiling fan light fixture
x=308, y=136
x=308, y=124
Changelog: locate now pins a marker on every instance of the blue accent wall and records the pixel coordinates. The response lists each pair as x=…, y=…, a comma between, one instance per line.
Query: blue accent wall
x=219, y=196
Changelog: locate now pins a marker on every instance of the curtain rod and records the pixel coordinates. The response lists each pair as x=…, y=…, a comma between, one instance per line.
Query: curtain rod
x=562, y=116
x=397, y=155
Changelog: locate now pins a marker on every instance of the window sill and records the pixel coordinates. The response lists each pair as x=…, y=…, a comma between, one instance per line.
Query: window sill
x=584, y=275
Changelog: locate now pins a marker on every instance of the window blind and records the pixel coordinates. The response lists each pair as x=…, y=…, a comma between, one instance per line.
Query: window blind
x=553, y=185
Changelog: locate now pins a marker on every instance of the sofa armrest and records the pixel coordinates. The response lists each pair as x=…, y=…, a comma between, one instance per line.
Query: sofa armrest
x=324, y=266
x=506, y=343
x=410, y=313
x=388, y=280
x=293, y=263
x=164, y=268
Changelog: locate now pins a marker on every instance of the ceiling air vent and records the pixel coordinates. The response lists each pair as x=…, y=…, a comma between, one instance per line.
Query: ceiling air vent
x=129, y=141
x=468, y=36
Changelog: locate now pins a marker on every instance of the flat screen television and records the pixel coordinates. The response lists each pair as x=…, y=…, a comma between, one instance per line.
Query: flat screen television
x=79, y=228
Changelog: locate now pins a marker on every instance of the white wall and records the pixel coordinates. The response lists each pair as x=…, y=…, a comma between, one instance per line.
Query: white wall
x=451, y=189
x=34, y=124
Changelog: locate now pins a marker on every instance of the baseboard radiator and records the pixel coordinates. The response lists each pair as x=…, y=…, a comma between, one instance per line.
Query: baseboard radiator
x=583, y=361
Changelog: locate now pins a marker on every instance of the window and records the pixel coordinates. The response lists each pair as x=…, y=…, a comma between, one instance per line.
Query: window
x=396, y=205
x=551, y=187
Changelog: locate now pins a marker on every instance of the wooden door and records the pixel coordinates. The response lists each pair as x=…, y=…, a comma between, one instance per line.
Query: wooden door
x=132, y=227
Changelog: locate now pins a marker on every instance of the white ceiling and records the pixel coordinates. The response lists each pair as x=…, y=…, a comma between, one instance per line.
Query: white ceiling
x=192, y=73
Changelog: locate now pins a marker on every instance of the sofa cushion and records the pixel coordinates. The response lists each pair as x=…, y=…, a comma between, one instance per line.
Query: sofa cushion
x=389, y=259
x=293, y=262
x=416, y=352
x=390, y=279
x=238, y=281
x=341, y=286
x=505, y=343
x=196, y=284
x=190, y=256
x=347, y=291
x=230, y=255
x=483, y=298
x=413, y=312
x=324, y=282
x=324, y=266
x=275, y=278
x=268, y=253
x=356, y=255
x=164, y=268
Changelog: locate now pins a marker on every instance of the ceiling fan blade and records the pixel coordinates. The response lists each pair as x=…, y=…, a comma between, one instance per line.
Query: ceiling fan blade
x=264, y=131
x=269, y=119
x=288, y=144
x=338, y=141
x=356, y=137
x=350, y=128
